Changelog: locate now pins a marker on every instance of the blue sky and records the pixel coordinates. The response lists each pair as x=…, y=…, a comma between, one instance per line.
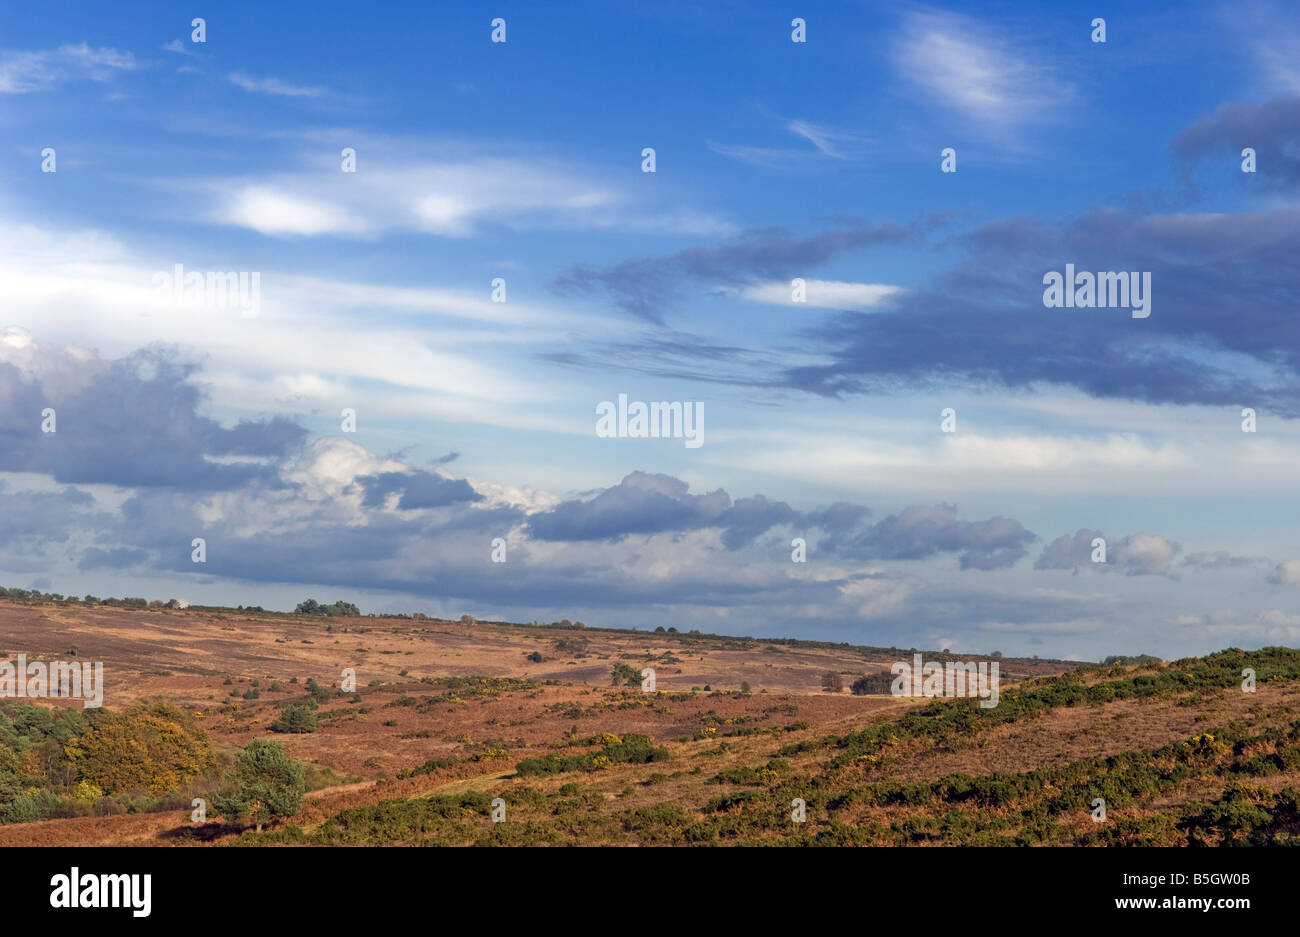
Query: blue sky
x=774, y=160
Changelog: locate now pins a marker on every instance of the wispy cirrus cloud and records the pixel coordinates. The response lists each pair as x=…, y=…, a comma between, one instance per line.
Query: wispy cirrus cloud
x=452, y=197
x=272, y=85
x=992, y=80
x=828, y=143
x=28, y=72
x=644, y=286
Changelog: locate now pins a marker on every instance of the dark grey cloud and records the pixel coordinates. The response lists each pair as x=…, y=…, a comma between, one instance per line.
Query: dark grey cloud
x=418, y=489
x=1220, y=284
x=317, y=540
x=1068, y=552
x=749, y=518
x=133, y=422
x=640, y=504
x=837, y=519
x=649, y=504
x=924, y=531
x=648, y=287
x=115, y=558
x=32, y=521
x=1272, y=129
x=1221, y=559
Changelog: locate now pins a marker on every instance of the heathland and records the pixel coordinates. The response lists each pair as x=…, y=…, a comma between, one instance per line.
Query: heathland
x=405, y=730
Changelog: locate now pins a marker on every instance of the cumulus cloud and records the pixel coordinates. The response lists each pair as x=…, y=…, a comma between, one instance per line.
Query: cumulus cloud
x=1068, y=551
x=1144, y=555
x=1137, y=554
x=921, y=532
x=641, y=503
x=132, y=421
x=1286, y=573
x=416, y=490
x=333, y=512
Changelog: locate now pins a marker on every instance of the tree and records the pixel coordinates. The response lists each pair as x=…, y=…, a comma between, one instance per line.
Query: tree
x=339, y=608
x=319, y=694
x=296, y=720
x=265, y=785
x=831, y=682
x=877, y=682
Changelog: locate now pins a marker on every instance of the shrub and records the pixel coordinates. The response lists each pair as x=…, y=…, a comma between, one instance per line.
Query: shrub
x=150, y=747
x=625, y=674
x=296, y=720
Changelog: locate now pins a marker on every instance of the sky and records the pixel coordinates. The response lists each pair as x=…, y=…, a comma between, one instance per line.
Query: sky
x=453, y=253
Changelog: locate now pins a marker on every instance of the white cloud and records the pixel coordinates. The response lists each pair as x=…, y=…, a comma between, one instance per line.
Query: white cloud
x=271, y=85
x=26, y=72
x=269, y=211
x=401, y=353
x=1144, y=554
x=964, y=67
x=1287, y=573
x=822, y=294
x=828, y=143
x=450, y=199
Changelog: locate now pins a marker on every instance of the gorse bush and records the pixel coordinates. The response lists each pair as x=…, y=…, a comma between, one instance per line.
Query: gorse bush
x=67, y=762
x=631, y=749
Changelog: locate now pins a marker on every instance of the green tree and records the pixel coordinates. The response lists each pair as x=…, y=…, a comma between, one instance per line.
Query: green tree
x=296, y=719
x=265, y=785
